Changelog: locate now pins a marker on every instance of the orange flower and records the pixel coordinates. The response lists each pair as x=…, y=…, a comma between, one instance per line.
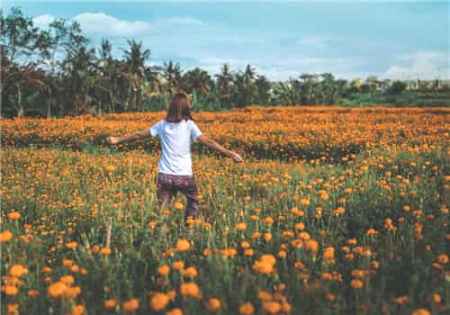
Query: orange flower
x=106, y=251
x=190, y=289
x=159, y=301
x=213, y=305
x=10, y=289
x=72, y=245
x=247, y=309
x=421, y=311
x=164, y=270
x=131, y=305
x=183, y=245
x=110, y=304
x=14, y=215
x=175, y=311
x=5, y=236
x=57, y=289
x=18, y=271
x=357, y=283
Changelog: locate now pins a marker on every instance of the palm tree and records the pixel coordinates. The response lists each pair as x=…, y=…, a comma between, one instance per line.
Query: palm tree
x=172, y=75
x=197, y=81
x=135, y=58
x=225, y=85
x=263, y=87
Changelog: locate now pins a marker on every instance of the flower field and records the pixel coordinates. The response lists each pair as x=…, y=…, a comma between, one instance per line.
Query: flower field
x=335, y=211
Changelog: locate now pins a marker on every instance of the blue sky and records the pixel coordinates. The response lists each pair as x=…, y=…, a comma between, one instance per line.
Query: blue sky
x=281, y=39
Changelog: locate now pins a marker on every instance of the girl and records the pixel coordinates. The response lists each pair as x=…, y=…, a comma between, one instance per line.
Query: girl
x=176, y=133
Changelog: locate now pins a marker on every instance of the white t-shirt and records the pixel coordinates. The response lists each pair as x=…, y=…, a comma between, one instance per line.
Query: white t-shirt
x=176, y=139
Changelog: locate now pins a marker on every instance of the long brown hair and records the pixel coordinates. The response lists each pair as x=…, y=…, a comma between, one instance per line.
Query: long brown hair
x=179, y=108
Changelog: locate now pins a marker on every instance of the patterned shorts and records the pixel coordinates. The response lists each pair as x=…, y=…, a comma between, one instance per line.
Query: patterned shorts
x=168, y=185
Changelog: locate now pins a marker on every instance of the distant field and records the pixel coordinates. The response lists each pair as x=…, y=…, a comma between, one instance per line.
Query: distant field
x=336, y=211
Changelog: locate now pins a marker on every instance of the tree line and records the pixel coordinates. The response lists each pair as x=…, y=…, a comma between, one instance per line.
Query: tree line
x=55, y=72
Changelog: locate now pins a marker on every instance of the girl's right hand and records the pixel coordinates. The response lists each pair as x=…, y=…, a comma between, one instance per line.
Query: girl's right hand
x=112, y=140
x=236, y=157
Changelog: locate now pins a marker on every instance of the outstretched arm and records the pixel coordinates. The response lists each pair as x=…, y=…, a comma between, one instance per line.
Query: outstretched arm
x=214, y=145
x=127, y=138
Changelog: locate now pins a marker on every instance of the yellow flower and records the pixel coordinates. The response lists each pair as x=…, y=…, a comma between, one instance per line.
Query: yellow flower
x=159, y=301
x=183, y=245
x=131, y=305
x=190, y=289
x=179, y=206
x=18, y=271
x=213, y=305
x=247, y=309
x=14, y=215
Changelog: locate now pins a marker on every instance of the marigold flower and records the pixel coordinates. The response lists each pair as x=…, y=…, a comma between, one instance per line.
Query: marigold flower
x=328, y=255
x=183, y=245
x=312, y=245
x=131, y=305
x=12, y=309
x=272, y=307
x=10, y=290
x=5, y=236
x=78, y=310
x=72, y=245
x=190, y=289
x=106, y=251
x=178, y=205
x=57, y=289
x=18, y=271
x=247, y=309
x=213, y=304
x=442, y=259
x=178, y=265
x=241, y=226
x=175, y=311
x=190, y=272
x=67, y=279
x=33, y=293
x=110, y=304
x=357, y=283
x=164, y=270
x=159, y=301
x=421, y=311
x=14, y=215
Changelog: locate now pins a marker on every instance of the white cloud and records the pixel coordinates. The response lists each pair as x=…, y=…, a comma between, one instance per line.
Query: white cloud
x=423, y=65
x=42, y=21
x=99, y=23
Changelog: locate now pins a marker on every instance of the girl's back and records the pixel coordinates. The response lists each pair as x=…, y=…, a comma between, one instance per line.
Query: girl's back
x=176, y=139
